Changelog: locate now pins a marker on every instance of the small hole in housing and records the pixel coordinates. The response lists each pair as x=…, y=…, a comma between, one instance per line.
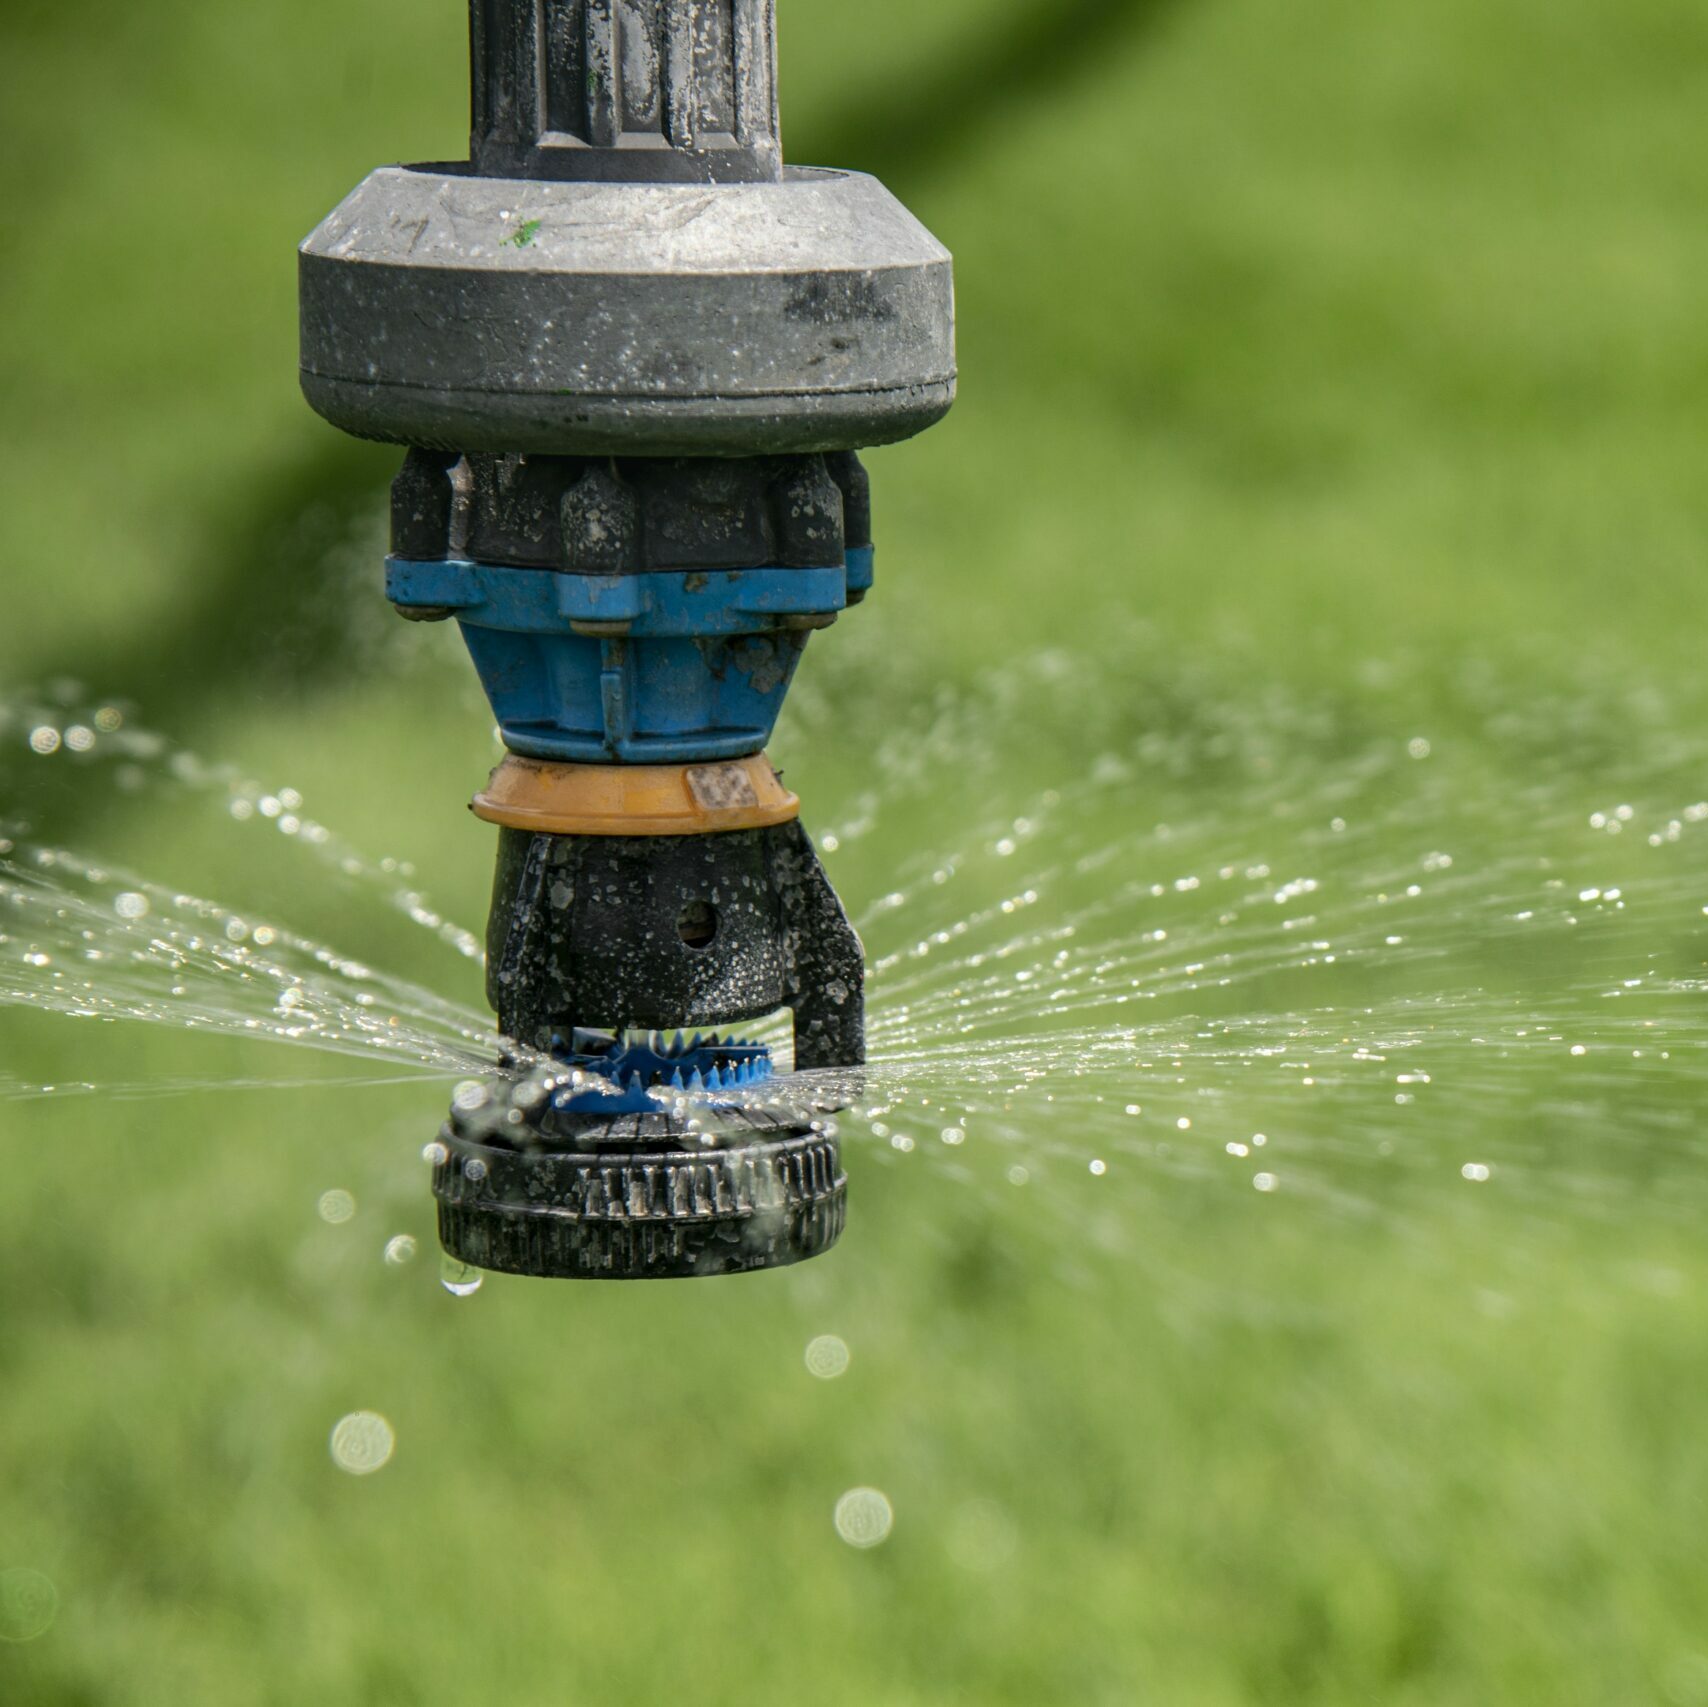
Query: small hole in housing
x=698, y=925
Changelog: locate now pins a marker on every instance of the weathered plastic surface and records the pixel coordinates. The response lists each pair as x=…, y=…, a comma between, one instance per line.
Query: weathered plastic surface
x=648, y=1214
x=638, y=90
x=463, y=313
x=625, y=265
x=584, y=934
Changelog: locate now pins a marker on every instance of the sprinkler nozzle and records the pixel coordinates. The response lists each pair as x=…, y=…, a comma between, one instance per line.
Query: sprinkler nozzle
x=633, y=357
x=660, y=1159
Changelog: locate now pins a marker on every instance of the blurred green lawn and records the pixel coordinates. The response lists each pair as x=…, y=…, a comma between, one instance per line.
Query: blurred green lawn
x=1310, y=336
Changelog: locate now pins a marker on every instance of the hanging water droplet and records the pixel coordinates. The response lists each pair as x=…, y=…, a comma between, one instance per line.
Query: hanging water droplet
x=459, y=1278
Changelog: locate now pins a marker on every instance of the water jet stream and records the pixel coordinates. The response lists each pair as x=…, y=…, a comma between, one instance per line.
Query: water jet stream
x=1390, y=969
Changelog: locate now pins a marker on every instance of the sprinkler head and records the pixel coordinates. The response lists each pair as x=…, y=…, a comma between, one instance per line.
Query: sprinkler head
x=656, y=1159
x=633, y=356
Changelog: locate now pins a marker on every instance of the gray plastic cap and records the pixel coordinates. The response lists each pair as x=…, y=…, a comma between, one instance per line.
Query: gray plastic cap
x=471, y=313
x=626, y=265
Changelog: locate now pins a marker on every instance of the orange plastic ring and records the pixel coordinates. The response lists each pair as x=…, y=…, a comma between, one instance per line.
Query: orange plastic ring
x=636, y=800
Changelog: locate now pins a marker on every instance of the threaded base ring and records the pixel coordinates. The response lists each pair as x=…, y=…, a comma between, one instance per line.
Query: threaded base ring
x=640, y=1215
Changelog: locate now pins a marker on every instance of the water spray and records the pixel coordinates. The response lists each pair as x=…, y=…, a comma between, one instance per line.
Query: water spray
x=634, y=356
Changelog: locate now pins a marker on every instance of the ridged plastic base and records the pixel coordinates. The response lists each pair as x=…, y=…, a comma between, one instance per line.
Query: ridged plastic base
x=642, y=1215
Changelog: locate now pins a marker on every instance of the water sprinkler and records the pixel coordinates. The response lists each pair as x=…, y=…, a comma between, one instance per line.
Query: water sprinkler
x=633, y=357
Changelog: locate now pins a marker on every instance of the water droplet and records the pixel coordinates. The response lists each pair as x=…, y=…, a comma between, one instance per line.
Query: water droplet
x=827, y=1357
x=1478, y=1173
x=29, y=1603
x=336, y=1207
x=1100, y=1168
x=400, y=1251
x=362, y=1443
x=131, y=905
x=864, y=1518
x=1265, y=1182
x=458, y=1278
x=45, y=740
x=435, y=1155
x=474, y=1169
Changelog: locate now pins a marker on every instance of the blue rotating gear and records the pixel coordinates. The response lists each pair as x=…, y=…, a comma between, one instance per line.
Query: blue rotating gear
x=711, y=1066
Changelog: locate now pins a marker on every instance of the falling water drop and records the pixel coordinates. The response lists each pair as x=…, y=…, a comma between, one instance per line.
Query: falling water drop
x=864, y=1518
x=362, y=1443
x=827, y=1357
x=336, y=1207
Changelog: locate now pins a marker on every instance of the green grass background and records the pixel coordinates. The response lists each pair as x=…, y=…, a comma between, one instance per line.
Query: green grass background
x=1306, y=336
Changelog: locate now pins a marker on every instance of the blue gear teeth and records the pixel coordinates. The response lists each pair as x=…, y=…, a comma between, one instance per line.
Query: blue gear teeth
x=634, y=1071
